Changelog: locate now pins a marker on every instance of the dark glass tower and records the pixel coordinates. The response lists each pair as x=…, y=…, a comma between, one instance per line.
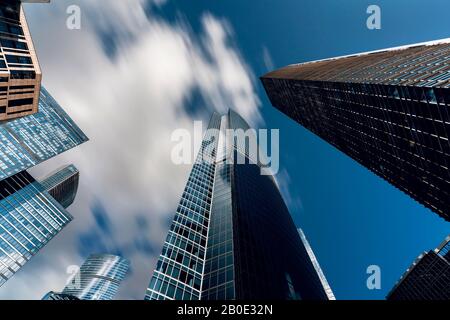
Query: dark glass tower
x=428, y=278
x=389, y=110
x=62, y=185
x=232, y=236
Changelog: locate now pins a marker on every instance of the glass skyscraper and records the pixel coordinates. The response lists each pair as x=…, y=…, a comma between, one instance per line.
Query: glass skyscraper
x=232, y=236
x=98, y=278
x=29, y=219
x=428, y=278
x=29, y=216
x=62, y=185
x=30, y=140
x=388, y=110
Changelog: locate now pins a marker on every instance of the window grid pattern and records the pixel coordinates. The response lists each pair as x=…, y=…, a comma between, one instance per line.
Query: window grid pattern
x=427, y=279
x=99, y=277
x=400, y=132
x=232, y=236
x=28, y=141
x=179, y=270
x=218, y=282
x=29, y=219
x=418, y=66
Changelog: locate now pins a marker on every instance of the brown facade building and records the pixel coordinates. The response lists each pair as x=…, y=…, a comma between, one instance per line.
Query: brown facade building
x=20, y=74
x=389, y=110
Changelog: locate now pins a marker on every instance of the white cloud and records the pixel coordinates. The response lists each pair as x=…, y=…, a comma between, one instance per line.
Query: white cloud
x=283, y=180
x=128, y=105
x=267, y=59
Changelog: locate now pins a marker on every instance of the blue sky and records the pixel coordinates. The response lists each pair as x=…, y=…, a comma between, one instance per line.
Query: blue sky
x=139, y=69
x=352, y=218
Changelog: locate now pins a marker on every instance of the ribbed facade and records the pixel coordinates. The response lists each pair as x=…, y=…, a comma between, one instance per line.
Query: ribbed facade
x=29, y=219
x=99, y=277
x=428, y=278
x=20, y=74
x=388, y=110
x=232, y=237
x=62, y=185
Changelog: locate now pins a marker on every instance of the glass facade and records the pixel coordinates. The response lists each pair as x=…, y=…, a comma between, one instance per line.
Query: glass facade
x=248, y=246
x=62, y=185
x=271, y=261
x=428, y=278
x=29, y=219
x=99, y=277
x=179, y=271
x=218, y=279
x=28, y=141
x=388, y=110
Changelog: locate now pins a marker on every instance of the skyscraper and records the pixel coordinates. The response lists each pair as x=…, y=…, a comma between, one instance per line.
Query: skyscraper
x=98, y=278
x=62, y=185
x=30, y=140
x=29, y=216
x=428, y=278
x=20, y=74
x=232, y=236
x=388, y=110
x=29, y=219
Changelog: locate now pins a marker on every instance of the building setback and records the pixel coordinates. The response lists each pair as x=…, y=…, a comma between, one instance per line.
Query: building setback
x=232, y=236
x=62, y=185
x=389, y=110
x=428, y=278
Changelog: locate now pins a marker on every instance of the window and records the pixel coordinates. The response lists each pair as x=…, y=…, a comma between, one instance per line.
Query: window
x=20, y=102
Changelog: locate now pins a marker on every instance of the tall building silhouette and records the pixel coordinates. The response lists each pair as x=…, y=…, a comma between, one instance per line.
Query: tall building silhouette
x=62, y=184
x=232, y=236
x=428, y=278
x=98, y=278
x=388, y=110
x=29, y=216
x=20, y=74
